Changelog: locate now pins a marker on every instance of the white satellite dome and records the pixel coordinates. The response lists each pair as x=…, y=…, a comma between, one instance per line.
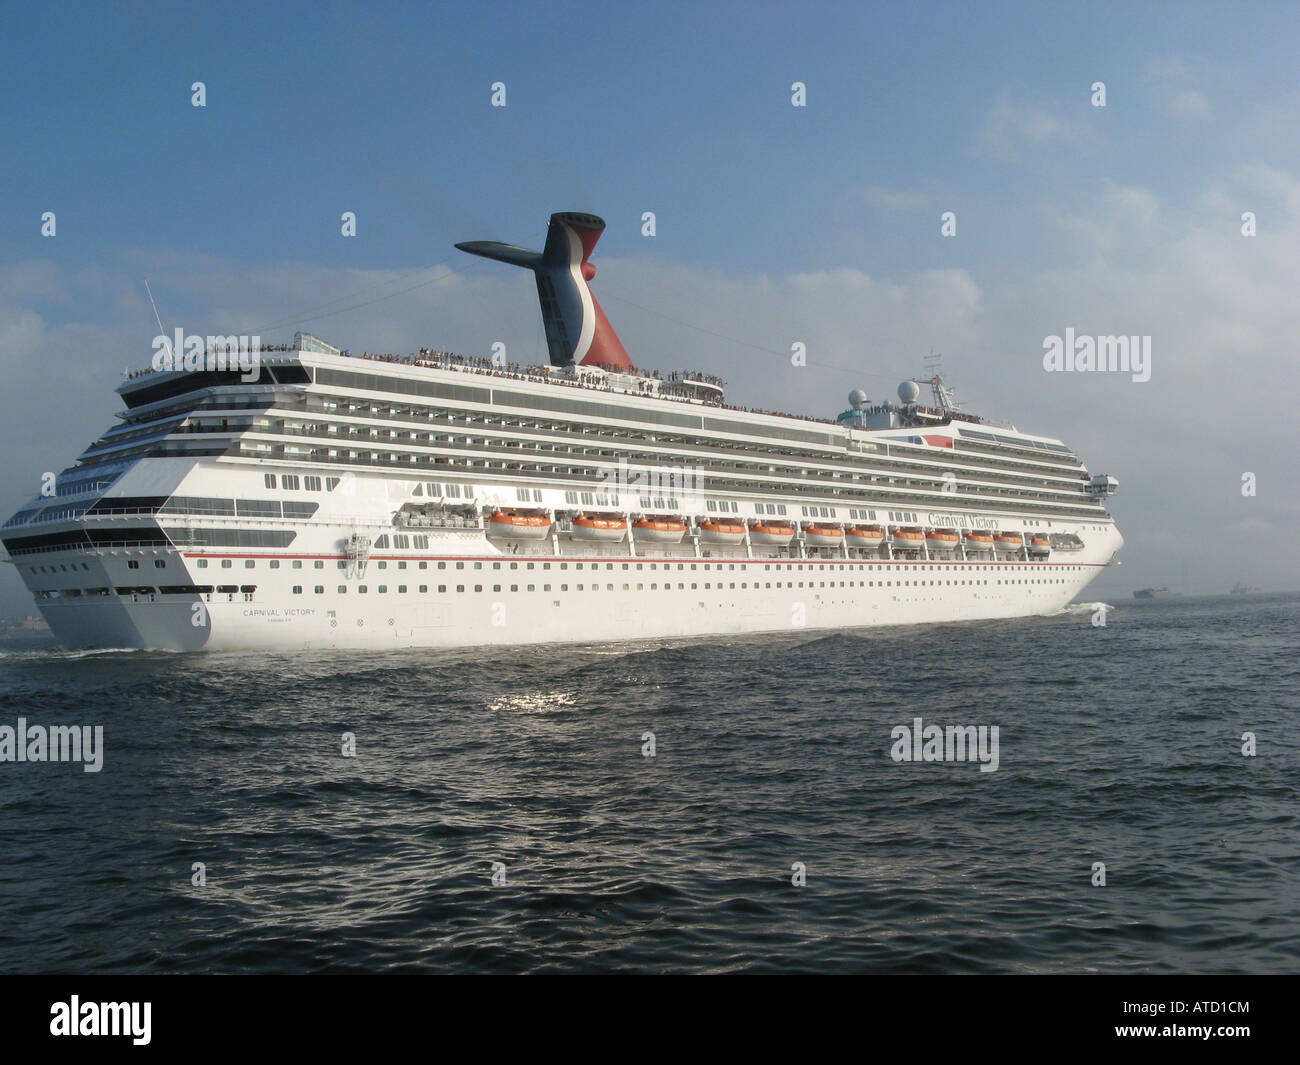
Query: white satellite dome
x=857, y=399
x=909, y=391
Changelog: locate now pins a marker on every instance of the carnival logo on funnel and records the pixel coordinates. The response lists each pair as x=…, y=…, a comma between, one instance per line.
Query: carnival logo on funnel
x=576, y=327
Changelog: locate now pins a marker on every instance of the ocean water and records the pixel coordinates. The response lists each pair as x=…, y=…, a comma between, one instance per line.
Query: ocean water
x=1119, y=744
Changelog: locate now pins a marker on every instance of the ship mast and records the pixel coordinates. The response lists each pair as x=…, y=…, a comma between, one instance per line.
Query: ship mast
x=943, y=397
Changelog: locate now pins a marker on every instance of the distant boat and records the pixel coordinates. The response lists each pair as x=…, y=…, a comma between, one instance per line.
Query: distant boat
x=1244, y=589
x=1152, y=593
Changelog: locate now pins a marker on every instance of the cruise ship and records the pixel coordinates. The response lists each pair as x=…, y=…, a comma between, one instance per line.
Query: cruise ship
x=328, y=500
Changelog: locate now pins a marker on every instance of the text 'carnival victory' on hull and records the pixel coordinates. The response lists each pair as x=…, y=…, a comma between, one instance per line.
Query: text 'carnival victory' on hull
x=326, y=500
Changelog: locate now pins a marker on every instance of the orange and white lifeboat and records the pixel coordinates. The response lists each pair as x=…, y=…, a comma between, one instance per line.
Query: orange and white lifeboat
x=1040, y=545
x=721, y=532
x=976, y=540
x=865, y=537
x=1009, y=541
x=511, y=525
x=907, y=539
x=774, y=533
x=659, y=530
x=942, y=541
x=598, y=527
x=823, y=535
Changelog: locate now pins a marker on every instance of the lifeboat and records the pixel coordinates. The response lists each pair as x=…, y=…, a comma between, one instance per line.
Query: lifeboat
x=774, y=533
x=659, y=530
x=865, y=537
x=944, y=541
x=1040, y=545
x=907, y=539
x=611, y=530
x=512, y=526
x=979, y=541
x=1009, y=541
x=823, y=535
x=721, y=532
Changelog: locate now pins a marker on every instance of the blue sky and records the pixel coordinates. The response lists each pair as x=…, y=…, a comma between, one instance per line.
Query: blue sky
x=775, y=224
x=619, y=108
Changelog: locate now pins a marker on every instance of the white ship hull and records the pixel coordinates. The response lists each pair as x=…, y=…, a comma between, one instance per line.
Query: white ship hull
x=652, y=607
x=467, y=589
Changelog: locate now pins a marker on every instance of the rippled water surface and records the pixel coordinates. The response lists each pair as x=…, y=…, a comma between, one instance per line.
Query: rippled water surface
x=1118, y=744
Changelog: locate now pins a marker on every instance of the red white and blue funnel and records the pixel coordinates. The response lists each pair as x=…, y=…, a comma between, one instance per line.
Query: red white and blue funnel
x=576, y=328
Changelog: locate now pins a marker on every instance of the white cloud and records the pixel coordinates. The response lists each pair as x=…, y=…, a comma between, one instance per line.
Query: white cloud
x=1177, y=90
x=1278, y=184
x=1012, y=125
x=1167, y=68
x=1188, y=103
x=894, y=199
x=1116, y=220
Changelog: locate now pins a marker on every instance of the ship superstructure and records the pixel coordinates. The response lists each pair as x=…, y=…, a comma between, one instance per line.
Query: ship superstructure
x=331, y=500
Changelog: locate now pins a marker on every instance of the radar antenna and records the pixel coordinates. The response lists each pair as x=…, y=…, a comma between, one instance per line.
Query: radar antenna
x=943, y=397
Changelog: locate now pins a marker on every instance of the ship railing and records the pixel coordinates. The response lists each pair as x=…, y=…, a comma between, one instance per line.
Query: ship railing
x=101, y=548
x=440, y=465
x=354, y=519
x=413, y=522
x=410, y=434
x=461, y=364
x=101, y=512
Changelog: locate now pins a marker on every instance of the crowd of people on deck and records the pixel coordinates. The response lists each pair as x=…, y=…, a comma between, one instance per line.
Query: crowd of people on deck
x=571, y=375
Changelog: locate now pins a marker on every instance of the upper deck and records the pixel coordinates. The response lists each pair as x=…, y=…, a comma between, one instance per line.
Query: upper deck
x=295, y=364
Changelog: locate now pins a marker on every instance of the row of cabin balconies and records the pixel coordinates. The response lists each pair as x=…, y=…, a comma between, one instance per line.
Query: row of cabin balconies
x=1067, y=466
x=466, y=446
x=358, y=432
x=427, y=465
